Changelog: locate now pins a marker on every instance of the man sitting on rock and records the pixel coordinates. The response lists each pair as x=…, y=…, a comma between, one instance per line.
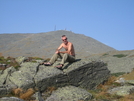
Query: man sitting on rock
x=67, y=55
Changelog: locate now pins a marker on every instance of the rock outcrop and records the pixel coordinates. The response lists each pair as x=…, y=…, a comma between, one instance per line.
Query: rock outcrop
x=70, y=93
x=122, y=91
x=85, y=74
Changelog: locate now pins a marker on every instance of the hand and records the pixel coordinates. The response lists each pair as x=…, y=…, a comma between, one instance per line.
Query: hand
x=57, y=52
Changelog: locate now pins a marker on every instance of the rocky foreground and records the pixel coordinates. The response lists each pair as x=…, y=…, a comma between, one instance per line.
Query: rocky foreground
x=72, y=82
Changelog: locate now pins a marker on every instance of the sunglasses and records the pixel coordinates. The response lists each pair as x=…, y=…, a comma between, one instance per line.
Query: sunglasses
x=64, y=39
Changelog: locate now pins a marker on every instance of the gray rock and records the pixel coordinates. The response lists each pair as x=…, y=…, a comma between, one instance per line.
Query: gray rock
x=38, y=96
x=6, y=89
x=22, y=80
x=10, y=99
x=3, y=90
x=122, y=91
x=5, y=86
x=70, y=93
x=1, y=72
x=122, y=81
x=82, y=73
x=3, y=77
x=131, y=82
x=7, y=72
x=20, y=59
x=87, y=74
x=30, y=68
x=50, y=76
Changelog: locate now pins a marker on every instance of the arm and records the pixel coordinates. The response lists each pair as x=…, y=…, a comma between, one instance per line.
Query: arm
x=57, y=50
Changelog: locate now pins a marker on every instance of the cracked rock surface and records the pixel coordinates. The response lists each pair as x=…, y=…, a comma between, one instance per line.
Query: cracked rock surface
x=82, y=73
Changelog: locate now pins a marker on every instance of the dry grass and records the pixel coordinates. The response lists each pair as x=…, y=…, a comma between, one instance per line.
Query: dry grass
x=102, y=89
x=9, y=61
x=109, y=82
x=48, y=92
x=127, y=98
x=17, y=91
x=101, y=92
x=131, y=56
x=25, y=95
x=0, y=54
x=51, y=89
x=129, y=76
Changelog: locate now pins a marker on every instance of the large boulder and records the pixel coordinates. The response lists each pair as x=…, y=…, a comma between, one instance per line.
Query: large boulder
x=122, y=91
x=87, y=74
x=24, y=78
x=4, y=78
x=5, y=74
x=70, y=93
x=50, y=76
x=83, y=73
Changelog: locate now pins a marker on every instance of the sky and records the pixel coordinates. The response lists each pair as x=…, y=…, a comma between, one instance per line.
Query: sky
x=108, y=21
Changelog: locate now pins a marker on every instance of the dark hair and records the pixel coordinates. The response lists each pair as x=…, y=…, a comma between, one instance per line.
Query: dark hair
x=63, y=35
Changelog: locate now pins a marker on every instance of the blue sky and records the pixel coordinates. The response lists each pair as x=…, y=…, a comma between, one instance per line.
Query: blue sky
x=108, y=21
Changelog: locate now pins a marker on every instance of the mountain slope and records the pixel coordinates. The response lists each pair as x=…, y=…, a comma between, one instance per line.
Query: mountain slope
x=117, y=61
x=45, y=44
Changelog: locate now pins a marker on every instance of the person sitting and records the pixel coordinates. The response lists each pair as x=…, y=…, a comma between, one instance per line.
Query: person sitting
x=67, y=56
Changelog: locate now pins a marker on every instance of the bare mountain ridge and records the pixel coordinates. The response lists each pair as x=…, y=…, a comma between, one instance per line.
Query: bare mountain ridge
x=44, y=44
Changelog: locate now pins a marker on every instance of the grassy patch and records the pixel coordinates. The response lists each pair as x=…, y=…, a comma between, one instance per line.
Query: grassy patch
x=119, y=55
x=127, y=98
x=118, y=74
x=9, y=61
x=3, y=60
x=105, y=54
x=35, y=58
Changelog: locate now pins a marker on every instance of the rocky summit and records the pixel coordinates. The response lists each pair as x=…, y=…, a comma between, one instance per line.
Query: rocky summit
x=44, y=44
x=75, y=78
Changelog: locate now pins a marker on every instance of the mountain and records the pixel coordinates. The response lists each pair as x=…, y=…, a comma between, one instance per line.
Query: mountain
x=44, y=44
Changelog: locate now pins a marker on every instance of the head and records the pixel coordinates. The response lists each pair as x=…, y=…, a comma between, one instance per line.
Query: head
x=64, y=39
